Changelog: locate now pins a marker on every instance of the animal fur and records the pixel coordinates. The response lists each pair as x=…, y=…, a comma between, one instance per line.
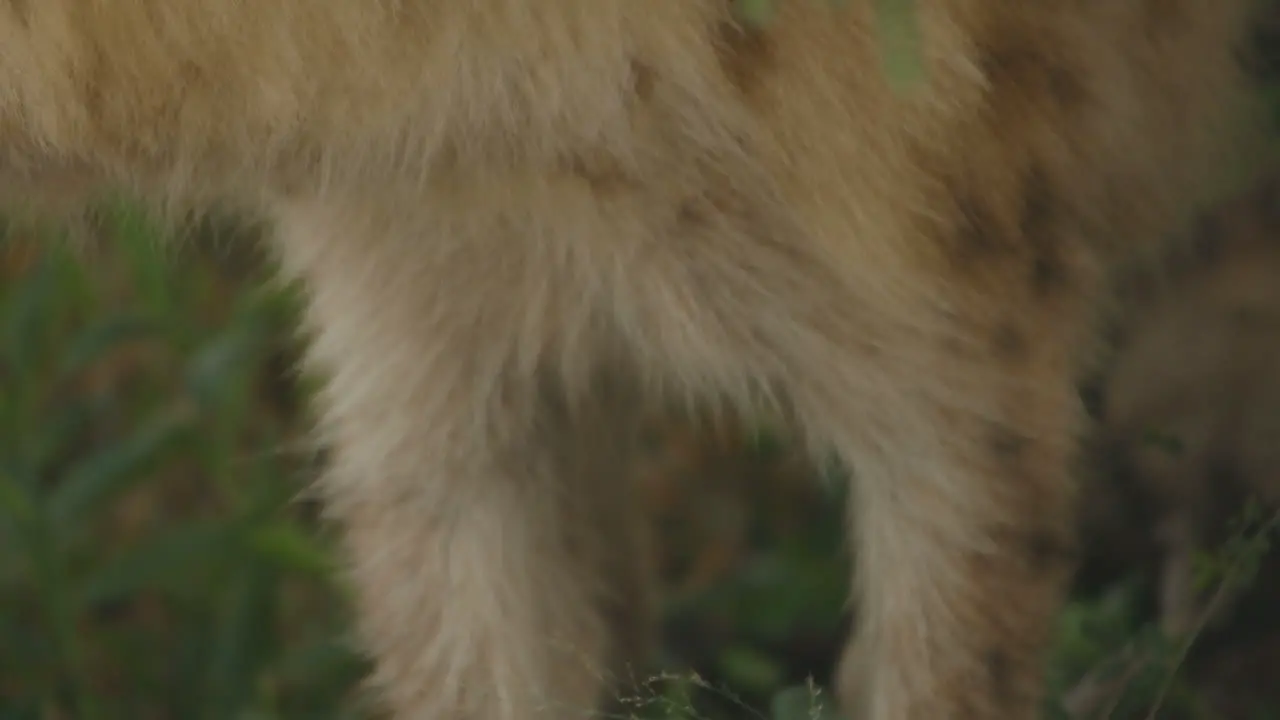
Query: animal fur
x=517, y=221
x=1191, y=405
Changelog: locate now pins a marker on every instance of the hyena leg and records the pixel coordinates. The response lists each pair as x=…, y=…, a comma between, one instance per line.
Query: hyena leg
x=511, y=584
x=962, y=543
x=509, y=587
x=492, y=548
x=959, y=440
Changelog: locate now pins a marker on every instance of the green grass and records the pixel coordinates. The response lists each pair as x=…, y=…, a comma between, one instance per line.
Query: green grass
x=152, y=560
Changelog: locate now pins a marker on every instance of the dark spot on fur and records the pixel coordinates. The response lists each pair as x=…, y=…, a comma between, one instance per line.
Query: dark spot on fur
x=693, y=213
x=978, y=235
x=1259, y=51
x=1010, y=343
x=192, y=73
x=1038, y=228
x=1008, y=444
x=999, y=673
x=1093, y=397
x=1048, y=552
x=1017, y=64
x=1047, y=274
x=21, y=12
x=1037, y=206
x=1161, y=16
x=1067, y=88
x=605, y=176
x=1043, y=550
x=979, y=231
x=745, y=54
x=643, y=80
x=1206, y=240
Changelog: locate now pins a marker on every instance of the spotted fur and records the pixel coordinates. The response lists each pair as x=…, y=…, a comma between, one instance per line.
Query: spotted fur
x=1188, y=422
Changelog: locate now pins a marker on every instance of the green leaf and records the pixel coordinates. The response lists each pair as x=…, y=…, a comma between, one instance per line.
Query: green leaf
x=242, y=642
x=25, y=311
x=326, y=668
x=97, y=341
x=151, y=272
x=165, y=561
x=107, y=474
x=800, y=702
x=900, y=42
x=744, y=666
x=755, y=13
x=47, y=447
x=15, y=502
x=220, y=361
x=287, y=546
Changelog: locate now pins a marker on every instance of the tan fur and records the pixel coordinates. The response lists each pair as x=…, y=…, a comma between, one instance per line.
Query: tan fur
x=1192, y=404
x=517, y=220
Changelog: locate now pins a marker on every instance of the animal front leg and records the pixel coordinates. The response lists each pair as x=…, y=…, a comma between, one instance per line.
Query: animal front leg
x=962, y=520
x=962, y=547
x=963, y=515
x=491, y=546
x=503, y=591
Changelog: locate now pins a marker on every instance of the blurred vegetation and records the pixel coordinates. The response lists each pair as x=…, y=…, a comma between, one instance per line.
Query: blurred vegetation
x=155, y=558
